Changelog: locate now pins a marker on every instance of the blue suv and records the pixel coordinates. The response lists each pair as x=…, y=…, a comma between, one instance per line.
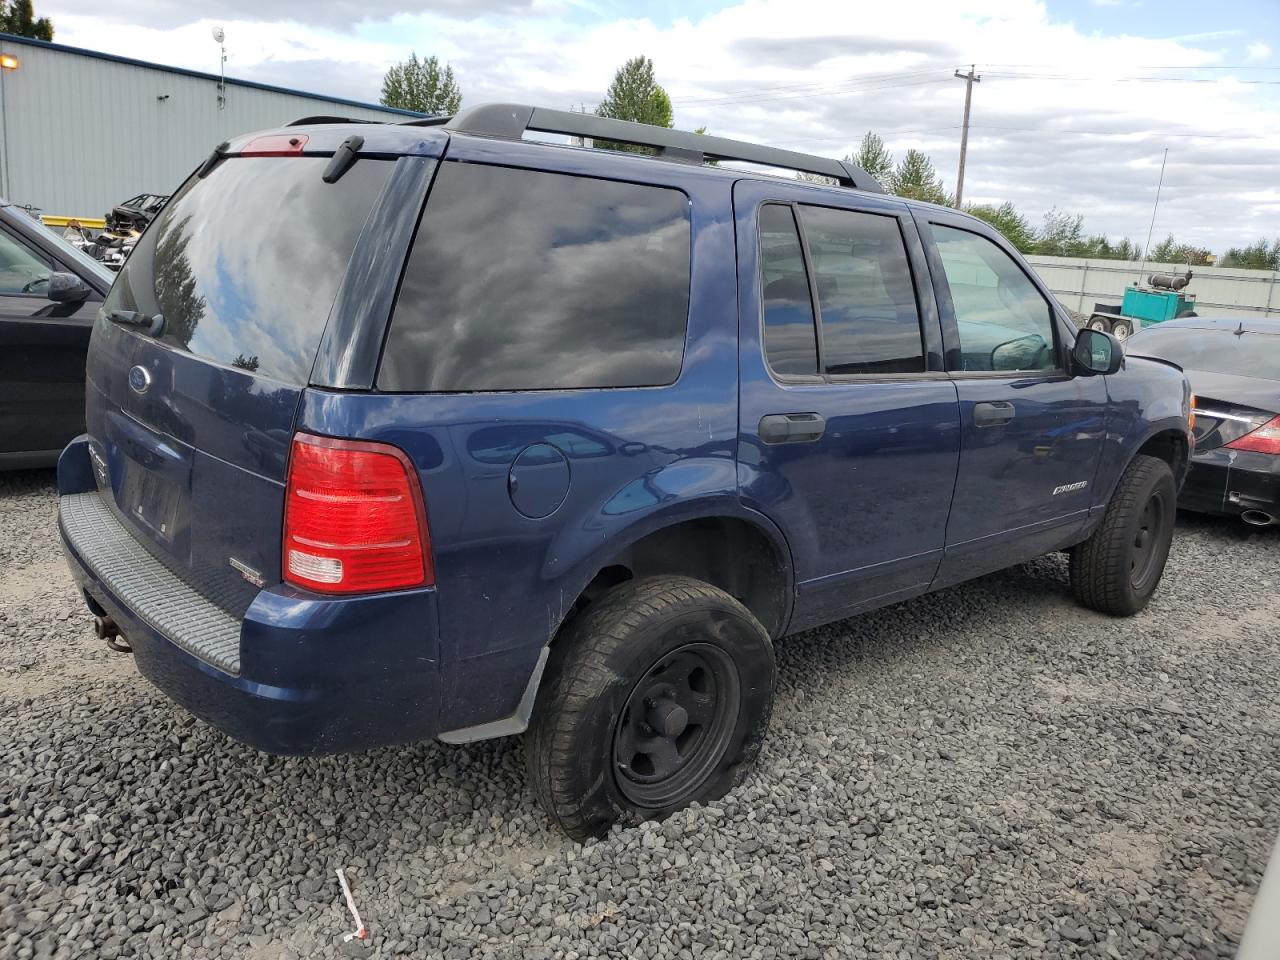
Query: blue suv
x=436, y=430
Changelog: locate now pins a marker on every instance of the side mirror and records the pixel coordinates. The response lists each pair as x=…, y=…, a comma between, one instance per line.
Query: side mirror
x=1097, y=352
x=66, y=288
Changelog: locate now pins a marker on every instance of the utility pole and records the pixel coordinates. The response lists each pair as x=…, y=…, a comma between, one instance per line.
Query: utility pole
x=969, y=79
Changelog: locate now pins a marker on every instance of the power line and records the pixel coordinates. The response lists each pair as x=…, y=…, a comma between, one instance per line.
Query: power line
x=1143, y=66
x=833, y=90
x=1096, y=79
x=799, y=87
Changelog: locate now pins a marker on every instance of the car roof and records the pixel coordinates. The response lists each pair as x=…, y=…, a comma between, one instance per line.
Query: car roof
x=1263, y=325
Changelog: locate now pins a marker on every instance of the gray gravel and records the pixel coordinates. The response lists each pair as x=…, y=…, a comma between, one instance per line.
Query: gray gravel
x=989, y=772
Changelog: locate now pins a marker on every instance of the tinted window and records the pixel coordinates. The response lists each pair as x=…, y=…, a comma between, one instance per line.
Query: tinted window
x=245, y=264
x=22, y=270
x=1213, y=351
x=1004, y=322
x=790, y=343
x=523, y=280
x=867, y=304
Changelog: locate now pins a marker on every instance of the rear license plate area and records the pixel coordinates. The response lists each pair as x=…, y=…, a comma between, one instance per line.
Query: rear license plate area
x=152, y=501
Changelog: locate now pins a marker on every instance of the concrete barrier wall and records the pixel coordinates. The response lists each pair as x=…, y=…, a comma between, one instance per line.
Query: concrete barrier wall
x=1220, y=291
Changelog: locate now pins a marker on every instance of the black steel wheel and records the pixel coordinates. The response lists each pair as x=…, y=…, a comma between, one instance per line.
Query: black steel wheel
x=657, y=696
x=675, y=725
x=1145, y=559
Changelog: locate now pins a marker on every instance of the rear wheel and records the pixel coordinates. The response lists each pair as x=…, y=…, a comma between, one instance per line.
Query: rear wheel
x=1099, y=323
x=1122, y=329
x=658, y=696
x=1119, y=567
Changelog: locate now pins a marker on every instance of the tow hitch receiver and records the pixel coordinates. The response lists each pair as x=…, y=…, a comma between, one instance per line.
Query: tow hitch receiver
x=105, y=629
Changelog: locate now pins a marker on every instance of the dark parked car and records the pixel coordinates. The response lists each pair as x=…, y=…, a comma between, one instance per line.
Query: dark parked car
x=135, y=213
x=50, y=293
x=481, y=434
x=1234, y=369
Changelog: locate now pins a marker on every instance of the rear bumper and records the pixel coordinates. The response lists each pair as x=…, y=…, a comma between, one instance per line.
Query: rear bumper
x=307, y=675
x=1228, y=483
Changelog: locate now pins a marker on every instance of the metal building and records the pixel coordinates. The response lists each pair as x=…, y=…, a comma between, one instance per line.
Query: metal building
x=81, y=131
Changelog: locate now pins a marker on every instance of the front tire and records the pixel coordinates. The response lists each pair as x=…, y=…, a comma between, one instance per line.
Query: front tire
x=1098, y=322
x=1119, y=567
x=658, y=696
x=1122, y=329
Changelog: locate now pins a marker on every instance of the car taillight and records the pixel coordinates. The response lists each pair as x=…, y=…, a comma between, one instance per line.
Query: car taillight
x=1265, y=439
x=354, y=520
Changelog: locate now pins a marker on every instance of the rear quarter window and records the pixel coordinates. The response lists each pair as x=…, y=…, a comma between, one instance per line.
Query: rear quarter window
x=527, y=280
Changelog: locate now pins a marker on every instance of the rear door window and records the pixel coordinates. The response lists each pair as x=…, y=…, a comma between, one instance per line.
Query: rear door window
x=866, y=300
x=245, y=263
x=528, y=280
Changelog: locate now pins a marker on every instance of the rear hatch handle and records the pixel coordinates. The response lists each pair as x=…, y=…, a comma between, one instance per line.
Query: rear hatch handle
x=131, y=318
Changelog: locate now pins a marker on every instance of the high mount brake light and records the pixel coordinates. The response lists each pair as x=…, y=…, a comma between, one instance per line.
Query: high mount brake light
x=1265, y=439
x=354, y=518
x=275, y=145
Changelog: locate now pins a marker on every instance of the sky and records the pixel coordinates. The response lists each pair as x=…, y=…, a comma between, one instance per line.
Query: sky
x=1077, y=102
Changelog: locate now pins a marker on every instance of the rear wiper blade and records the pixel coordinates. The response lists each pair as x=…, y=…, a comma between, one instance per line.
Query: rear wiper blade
x=131, y=318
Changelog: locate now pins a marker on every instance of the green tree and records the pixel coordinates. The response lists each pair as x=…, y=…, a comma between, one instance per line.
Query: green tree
x=1062, y=235
x=914, y=177
x=19, y=18
x=1016, y=228
x=1170, y=250
x=1259, y=255
x=422, y=86
x=874, y=157
x=637, y=96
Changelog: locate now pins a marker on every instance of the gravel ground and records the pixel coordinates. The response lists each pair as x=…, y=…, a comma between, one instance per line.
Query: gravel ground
x=990, y=771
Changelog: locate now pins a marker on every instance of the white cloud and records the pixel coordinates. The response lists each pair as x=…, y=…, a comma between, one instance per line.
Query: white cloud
x=1257, y=52
x=1074, y=131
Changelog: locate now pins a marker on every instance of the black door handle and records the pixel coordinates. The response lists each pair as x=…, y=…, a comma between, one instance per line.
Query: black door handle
x=791, y=427
x=993, y=414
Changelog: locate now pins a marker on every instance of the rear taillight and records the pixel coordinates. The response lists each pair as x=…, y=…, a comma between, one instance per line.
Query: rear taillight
x=354, y=520
x=1265, y=439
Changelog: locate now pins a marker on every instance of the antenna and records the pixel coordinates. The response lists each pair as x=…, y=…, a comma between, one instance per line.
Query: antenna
x=1143, y=265
x=220, y=37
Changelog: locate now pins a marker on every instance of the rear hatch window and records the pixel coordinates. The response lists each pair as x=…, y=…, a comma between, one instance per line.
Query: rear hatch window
x=245, y=264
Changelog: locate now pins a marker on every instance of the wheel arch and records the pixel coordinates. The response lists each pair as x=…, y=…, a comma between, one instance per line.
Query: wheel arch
x=723, y=543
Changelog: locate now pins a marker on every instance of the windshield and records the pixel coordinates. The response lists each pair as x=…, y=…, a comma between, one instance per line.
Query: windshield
x=245, y=263
x=1247, y=354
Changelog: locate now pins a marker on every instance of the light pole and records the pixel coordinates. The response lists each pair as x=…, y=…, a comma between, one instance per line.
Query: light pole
x=219, y=37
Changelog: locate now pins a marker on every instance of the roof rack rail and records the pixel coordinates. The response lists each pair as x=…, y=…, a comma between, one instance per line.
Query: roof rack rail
x=317, y=120
x=511, y=120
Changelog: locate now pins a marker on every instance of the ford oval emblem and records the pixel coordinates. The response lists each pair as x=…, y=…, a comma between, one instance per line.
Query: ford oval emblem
x=139, y=380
